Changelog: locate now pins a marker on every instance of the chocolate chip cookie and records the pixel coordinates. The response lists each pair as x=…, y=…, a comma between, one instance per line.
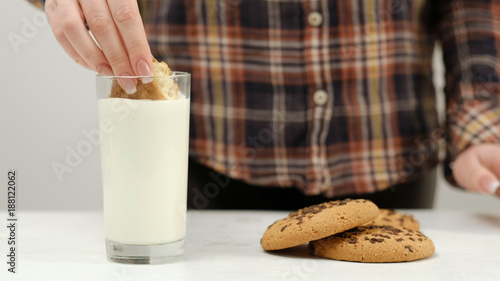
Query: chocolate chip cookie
x=396, y=219
x=374, y=244
x=318, y=221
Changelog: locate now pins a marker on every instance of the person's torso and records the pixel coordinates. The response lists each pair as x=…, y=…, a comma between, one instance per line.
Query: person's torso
x=330, y=96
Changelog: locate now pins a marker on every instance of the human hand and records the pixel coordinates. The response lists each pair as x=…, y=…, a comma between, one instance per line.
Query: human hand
x=478, y=169
x=117, y=27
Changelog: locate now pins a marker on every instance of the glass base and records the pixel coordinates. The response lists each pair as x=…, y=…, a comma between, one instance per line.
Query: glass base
x=145, y=254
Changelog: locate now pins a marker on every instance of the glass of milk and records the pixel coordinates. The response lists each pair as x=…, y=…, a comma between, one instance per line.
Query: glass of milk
x=144, y=159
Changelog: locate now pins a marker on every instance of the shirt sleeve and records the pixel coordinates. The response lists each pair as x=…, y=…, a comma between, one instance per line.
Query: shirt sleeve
x=38, y=3
x=470, y=38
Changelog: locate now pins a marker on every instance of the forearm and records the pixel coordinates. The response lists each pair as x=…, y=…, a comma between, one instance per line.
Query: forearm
x=468, y=31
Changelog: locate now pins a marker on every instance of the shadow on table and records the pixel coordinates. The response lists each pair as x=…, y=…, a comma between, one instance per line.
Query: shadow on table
x=491, y=219
x=300, y=252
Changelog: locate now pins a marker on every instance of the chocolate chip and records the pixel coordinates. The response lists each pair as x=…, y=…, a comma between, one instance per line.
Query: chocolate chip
x=312, y=209
x=299, y=220
x=343, y=202
x=390, y=230
x=352, y=241
x=381, y=235
x=375, y=240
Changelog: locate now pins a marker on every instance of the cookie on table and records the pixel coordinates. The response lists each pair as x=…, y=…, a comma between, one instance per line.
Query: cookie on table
x=318, y=221
x=375, y=243
x=396, y=219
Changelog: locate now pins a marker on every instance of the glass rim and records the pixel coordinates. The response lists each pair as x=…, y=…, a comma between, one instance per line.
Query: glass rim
x=173, y=75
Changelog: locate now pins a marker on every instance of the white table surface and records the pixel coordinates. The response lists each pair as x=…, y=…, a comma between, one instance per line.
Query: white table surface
x=224, y=245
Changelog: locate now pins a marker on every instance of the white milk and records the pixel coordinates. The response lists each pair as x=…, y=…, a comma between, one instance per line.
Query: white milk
x=144, y=158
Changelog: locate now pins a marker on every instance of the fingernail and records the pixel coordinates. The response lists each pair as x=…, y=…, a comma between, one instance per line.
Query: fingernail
x=105, y=70
x=127, y=84
x=144, y=70
x=492, y=187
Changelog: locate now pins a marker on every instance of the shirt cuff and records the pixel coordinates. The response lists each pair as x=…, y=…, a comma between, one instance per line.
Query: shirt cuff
x=470, y=122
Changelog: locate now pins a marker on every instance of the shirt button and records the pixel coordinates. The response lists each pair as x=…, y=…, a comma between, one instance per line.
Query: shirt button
x=320, y=97
x=315, y=19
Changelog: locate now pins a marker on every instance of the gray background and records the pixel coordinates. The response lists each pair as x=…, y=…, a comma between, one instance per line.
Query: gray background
x=48, y=103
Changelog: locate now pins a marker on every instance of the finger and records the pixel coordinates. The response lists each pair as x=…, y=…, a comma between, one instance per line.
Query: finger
x=486, y=180
x=471, y=174
x=72, y=53
x=72, y=23
x=128, y=21
x=101, y=24
x=51, y=12
x=488, y=155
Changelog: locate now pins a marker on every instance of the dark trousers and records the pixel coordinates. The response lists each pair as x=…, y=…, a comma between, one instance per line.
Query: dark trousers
x=208, y=189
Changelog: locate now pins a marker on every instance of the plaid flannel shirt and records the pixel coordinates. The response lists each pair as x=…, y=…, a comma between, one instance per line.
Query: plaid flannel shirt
x=331, y=96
